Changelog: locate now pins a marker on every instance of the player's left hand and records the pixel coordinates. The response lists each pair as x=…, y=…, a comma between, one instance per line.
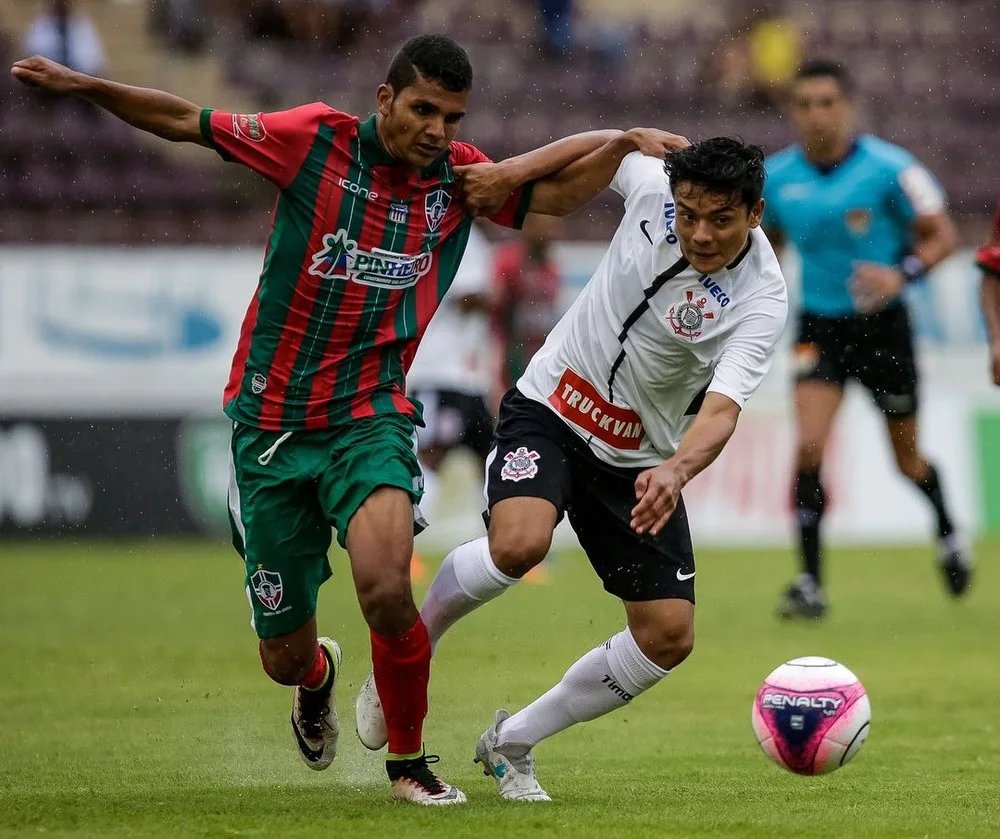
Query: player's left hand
x=657, y=490
x=874, y=286
x=483, y=187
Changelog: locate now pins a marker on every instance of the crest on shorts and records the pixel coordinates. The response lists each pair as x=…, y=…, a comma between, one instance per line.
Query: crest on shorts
x=520, y=464
x=267, y=586
x=250, y=126
x=858, y=221
x=687, y=317
x=436, y=205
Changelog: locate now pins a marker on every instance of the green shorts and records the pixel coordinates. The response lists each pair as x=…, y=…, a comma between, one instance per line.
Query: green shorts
x=288, y=489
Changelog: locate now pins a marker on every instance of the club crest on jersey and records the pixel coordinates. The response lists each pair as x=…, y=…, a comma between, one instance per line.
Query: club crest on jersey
x=267, y=586
x=398, y=212
x=436, y=205
x=250, y=126
x=858, y=221
x=341, y=258
x=520, y=464
x=687, y=317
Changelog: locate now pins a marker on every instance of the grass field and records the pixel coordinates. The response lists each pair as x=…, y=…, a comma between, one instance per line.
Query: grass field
x=133, y=705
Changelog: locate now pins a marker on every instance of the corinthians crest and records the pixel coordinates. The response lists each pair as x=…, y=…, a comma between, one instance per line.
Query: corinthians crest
x=520, y=464
x=686, y=318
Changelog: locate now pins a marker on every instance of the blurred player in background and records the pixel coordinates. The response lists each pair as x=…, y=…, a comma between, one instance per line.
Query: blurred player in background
x=451, y=375
x=367, y=235
x=636, y=390
x=866, y=219
x=527, y=284
x=988, y=260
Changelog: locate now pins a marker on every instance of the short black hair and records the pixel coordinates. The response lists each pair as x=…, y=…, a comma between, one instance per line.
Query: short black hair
x=725, y=165
x=817, y=68
x=435, y=57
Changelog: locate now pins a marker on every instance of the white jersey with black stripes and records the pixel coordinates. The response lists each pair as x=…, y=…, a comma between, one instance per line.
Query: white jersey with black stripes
x=628, y=365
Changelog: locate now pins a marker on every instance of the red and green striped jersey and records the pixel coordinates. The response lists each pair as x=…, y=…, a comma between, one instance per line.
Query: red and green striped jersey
x=361, y=251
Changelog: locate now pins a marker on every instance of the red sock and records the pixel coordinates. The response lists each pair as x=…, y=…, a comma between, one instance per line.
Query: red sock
x=314, y=679
x=318, y=673
x=402, y=665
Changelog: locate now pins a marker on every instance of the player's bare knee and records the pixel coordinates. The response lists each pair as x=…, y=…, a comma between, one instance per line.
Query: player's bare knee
x=666, y=644
x=284, y=662
x=387, y=604
x=516, y=550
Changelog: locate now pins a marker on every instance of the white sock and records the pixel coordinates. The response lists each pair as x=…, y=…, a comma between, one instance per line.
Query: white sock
x=606, y=678
x=465, y=581
x=432, y=484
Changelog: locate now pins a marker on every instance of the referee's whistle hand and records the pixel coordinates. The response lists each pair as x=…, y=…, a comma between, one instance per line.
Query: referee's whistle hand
x=874, y=286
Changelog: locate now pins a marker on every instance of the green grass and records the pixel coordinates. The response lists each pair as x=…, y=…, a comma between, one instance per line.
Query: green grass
x=132, y=704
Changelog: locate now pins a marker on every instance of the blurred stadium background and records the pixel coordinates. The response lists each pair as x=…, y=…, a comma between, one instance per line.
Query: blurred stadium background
x=126, y=263
x=132, y=701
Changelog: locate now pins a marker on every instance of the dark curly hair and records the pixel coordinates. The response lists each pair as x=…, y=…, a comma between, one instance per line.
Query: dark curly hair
x=434, y=57
x=724, y=165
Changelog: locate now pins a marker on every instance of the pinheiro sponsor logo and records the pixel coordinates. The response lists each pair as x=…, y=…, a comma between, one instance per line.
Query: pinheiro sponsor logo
x=341, y=258
x=780, y=701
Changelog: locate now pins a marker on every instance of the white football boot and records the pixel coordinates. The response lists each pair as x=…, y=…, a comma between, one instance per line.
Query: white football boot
x=514, y=771
x=368, y=716
x=314, y=715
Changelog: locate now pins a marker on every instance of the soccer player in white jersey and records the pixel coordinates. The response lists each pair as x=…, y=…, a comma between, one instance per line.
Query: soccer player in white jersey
x=452, y=373
x=637, y=389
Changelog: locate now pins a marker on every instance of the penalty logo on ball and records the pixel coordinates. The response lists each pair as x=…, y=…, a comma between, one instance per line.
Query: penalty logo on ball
x=811, y=715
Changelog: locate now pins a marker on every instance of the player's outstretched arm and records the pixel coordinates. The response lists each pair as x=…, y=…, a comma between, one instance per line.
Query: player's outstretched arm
x=155, y=111
x=582, y=180
x=658, y=490
x=486, y=186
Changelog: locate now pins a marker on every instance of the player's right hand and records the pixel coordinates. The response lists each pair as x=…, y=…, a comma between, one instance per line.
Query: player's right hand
x=45, y=73
x=653, y=142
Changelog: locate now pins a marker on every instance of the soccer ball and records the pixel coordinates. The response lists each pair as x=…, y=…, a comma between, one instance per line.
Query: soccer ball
x=811, y=715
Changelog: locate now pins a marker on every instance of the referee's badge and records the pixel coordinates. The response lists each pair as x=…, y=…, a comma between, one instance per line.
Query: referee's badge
x=858, y=221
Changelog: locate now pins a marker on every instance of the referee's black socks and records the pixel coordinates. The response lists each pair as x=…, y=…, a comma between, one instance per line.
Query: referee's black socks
x=930, y=485
x=810, y=500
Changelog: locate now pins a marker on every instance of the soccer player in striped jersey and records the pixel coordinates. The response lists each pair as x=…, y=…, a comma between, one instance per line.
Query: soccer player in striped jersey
x=988, y=260
x=368, y=230
x=866, y=219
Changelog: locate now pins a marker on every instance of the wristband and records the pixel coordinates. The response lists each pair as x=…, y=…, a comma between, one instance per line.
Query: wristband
x=912, y=268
